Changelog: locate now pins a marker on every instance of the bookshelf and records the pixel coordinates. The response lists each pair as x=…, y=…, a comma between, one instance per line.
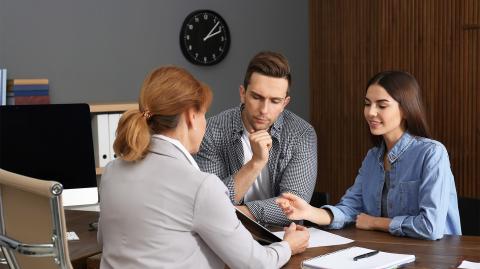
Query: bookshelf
x=100, y=108
x=112, y=107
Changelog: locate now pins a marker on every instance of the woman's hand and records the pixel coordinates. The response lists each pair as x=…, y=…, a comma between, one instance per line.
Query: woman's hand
x=367, y=222
x=364, y=222
x=294, y=207
x=297, y=237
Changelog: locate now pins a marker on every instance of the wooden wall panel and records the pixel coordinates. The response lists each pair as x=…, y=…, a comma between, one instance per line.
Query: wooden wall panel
x=438, y=41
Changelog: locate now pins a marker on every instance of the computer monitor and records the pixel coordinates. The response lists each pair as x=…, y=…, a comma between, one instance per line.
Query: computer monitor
x=51, y=142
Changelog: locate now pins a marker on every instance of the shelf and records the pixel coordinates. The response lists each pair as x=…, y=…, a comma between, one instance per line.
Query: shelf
x=112, y=107
x=99, y=171
x=109, y=108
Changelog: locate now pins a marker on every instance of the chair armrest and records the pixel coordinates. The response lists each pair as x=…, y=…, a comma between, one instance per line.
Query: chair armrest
x=39, y=250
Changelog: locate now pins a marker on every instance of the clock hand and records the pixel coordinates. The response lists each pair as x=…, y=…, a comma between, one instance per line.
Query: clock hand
x=210, y=33
x=216, y=33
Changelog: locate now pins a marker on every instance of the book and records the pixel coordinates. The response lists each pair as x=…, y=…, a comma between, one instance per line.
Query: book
x=343, y=259
x=29, y=87
x=30, y=93
x=30, y=100
x=35, y=81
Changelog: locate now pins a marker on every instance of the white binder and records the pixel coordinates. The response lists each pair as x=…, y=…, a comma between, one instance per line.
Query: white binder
x=101, y=139
x=3, y=86
x=112, y=126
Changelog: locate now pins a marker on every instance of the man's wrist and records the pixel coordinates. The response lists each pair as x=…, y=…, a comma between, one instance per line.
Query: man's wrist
x=256, y=165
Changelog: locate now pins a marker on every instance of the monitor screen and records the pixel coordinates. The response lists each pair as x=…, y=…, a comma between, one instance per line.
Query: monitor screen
x=51, y=142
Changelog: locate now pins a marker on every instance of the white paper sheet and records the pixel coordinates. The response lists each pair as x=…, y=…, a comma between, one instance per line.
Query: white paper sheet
x=469, y=265
x=320, y=238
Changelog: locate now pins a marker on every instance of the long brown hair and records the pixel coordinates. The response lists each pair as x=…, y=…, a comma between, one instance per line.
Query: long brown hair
x=404, y=88
x=165, y=94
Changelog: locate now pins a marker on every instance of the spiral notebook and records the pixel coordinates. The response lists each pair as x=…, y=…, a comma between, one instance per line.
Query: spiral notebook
x=343, y=259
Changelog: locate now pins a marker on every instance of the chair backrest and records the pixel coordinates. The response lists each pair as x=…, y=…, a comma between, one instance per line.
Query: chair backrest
x=469, y=209
x=320, y=198
x=32, y=222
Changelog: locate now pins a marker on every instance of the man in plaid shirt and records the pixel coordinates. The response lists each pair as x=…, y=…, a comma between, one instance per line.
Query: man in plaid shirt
x=259, y=149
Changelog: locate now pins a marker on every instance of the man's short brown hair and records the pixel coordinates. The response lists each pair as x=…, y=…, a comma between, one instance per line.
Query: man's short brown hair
x=268, y=63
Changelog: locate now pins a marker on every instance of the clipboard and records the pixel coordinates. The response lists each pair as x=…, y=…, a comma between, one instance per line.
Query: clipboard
x=259, y=233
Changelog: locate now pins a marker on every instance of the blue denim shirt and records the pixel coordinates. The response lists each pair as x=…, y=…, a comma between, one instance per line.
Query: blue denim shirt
x=422, y=199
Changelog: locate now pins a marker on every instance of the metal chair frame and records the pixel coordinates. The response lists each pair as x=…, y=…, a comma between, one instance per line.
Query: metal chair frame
x=54, y=249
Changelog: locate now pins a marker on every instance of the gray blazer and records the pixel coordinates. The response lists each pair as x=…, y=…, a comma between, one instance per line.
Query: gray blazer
x=161, y=212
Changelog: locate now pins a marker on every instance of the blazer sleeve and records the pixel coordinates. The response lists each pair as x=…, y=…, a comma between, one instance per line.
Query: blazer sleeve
x=209, y=159
x=217, y=224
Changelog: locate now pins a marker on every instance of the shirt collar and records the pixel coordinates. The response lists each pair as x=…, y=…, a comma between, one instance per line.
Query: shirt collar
x=398, y=149
x=182, y=148
x=238, y=127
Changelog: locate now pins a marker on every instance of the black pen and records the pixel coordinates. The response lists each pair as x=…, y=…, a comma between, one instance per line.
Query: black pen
x=366, y=255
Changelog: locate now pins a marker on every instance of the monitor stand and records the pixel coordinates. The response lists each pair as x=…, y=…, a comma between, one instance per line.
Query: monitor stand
x=81, y=199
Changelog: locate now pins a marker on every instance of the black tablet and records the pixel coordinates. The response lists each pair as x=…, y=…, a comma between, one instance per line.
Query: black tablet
x=260, y=233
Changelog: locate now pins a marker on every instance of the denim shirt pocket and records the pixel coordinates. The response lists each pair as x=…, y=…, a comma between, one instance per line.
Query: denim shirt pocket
x=409, y=197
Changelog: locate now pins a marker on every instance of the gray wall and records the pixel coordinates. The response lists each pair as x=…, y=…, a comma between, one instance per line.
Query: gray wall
x=99, y=51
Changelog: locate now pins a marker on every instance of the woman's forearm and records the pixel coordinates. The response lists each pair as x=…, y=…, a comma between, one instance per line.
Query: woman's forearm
x=320, y=216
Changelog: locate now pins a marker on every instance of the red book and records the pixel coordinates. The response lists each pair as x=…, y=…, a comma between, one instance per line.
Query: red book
x=32, y=100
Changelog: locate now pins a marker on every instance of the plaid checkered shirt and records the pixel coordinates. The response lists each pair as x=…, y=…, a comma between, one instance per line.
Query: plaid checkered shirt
x=292, y=163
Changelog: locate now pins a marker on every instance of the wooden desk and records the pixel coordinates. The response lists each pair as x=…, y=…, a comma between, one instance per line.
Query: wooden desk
x=448, y=252
x=78, y=221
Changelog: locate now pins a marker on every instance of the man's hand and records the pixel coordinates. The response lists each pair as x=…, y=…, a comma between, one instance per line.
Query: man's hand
x=261, y=143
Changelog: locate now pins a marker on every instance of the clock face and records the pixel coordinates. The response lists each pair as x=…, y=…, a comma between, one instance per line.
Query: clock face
x=204, y=38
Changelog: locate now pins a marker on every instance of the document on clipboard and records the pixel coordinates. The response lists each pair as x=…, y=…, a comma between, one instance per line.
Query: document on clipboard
x=346, y=259
x=259, y=233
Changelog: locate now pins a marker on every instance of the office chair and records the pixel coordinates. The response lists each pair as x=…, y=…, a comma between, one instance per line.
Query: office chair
x=318, y=199
x=32, y=223
x=469, y=209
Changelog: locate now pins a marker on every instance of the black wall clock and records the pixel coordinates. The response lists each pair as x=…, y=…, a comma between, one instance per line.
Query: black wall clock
x=204, y=37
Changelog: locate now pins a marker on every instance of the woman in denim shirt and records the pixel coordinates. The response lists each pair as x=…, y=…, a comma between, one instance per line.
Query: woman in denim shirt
x=405, y=185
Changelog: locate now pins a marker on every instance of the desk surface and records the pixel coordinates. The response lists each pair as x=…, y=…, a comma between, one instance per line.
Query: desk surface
x=448, y=252
x=78, y=221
